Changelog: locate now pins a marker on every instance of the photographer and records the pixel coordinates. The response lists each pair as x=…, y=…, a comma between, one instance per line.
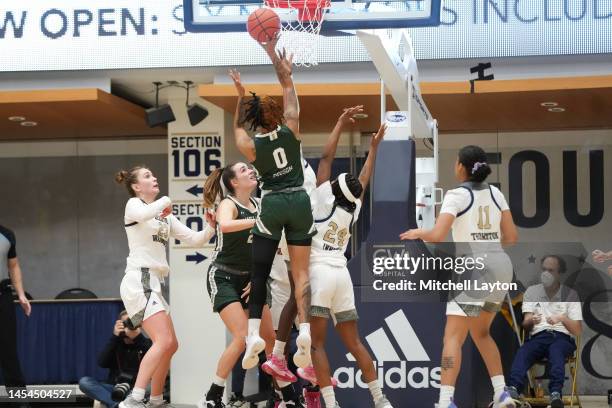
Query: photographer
x=121, y=355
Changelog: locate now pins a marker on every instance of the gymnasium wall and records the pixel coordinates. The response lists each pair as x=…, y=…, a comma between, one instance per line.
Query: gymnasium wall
x=67, y=212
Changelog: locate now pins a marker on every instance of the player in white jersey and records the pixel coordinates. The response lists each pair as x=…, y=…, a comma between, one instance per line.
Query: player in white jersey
x=149, y=224
x=337, y=207
x=478, y=215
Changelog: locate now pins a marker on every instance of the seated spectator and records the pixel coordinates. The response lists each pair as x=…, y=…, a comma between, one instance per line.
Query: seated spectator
x=121, y=355
x=552, y=315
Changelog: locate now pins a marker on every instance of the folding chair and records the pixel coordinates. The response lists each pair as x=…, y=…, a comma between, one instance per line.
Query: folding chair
x=572, y=363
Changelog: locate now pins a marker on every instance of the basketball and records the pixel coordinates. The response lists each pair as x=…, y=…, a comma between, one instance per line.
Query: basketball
x=263, y=25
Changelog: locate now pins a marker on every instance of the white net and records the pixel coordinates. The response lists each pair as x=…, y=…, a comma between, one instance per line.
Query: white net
x=301, y=22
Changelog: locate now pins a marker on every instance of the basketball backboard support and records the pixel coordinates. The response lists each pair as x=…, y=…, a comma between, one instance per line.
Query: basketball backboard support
x=215, y=16
x=392, y=53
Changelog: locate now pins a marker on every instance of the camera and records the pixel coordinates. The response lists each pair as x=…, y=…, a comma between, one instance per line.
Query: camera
x=123, y=387
x=127, y=323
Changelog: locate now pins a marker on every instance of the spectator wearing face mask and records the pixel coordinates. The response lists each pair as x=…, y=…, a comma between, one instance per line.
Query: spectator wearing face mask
x=552, y=315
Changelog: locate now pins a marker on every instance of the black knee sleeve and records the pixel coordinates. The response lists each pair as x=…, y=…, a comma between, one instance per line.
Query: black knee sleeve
x=264, y=251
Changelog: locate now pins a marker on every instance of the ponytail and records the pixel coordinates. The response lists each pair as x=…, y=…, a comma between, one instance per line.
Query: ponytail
x=212, y=188
x=218, y=185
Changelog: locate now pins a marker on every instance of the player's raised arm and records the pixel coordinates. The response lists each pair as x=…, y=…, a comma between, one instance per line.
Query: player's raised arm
x=329, y=151
x=243, y=140
x=283, y=65
x=368, y=167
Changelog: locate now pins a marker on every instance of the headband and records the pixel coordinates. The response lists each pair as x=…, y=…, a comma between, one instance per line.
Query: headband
x=345, y=189
x=478, y=165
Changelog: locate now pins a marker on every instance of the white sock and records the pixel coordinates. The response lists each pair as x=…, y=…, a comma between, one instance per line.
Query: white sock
x=282, y=384
x=375, y=390
x=328, y=396
x=499, y=384
x=138, y=393
x=156, y=399
x=279, y=348
x=305, y=328
x=219, y=381
x=446, y=393
x=254, y=326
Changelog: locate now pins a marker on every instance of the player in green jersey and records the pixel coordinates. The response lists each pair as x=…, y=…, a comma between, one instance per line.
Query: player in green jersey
x=228, y=280
x=276, y=153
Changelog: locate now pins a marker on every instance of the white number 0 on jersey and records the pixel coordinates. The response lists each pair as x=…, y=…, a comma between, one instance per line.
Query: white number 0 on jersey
x=280, y=157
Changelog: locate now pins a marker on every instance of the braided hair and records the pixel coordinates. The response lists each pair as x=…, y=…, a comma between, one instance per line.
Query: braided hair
x=262, y=112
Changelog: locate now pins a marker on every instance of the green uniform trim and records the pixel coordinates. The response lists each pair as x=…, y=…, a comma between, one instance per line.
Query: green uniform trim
x=289, y=211
x=278, y=159
x=225, y=288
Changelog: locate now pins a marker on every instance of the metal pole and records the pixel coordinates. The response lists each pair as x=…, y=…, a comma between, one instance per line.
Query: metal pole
x=353, y=170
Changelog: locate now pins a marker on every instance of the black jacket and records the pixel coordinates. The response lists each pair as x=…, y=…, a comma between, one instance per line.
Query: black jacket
x=120, y=357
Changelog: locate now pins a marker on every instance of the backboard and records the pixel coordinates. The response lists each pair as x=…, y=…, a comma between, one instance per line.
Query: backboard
x=215, y=16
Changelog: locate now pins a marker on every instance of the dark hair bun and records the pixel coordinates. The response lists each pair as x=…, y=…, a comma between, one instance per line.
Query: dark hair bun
x=120, y=176
x=481, y=173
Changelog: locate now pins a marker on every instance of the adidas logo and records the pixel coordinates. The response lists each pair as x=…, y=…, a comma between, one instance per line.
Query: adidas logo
x=386, y=346
x=154, y=303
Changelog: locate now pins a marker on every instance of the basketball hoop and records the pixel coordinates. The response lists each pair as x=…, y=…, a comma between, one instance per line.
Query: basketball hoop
x=300, y=28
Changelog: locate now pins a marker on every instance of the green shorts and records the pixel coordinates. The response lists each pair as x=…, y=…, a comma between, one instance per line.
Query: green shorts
x=225, y=288
x=286, y=210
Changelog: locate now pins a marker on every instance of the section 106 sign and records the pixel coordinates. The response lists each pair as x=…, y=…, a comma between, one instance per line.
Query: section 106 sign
x=195, y=155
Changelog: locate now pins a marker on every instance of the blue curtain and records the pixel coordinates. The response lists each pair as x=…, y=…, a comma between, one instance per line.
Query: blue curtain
x=59, y=343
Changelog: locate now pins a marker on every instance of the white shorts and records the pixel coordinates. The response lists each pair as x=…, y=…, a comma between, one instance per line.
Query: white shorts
x=498, y=269
x=332, y=293
x=141, y=295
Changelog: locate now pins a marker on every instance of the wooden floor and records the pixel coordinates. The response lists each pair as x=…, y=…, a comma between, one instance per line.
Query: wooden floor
x=587, y=402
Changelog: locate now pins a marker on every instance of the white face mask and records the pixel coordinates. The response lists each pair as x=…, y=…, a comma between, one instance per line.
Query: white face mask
x=547, y=279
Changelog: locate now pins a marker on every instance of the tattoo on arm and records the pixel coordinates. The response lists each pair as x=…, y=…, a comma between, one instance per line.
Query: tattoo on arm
x=306, y=299
x=292, y=107
x=447, y=363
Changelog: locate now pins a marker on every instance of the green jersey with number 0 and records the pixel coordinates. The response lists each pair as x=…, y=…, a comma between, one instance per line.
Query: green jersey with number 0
x=279, y=159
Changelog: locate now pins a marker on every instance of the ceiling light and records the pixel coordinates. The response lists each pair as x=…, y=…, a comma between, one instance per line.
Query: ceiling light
x=556, y=110
x=360, y=115
x=549, y=104
x=28, y=123
x=16, y=118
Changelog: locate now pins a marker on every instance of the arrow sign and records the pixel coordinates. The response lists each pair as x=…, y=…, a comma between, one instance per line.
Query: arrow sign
x=197, y=258
x=195, y=190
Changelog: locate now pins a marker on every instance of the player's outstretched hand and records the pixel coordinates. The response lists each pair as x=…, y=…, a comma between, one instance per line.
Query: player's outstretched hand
x=166, y=212
x=284, y=66
x=235, y=75
x=211, y=218
x=270, y=47
x=411, y=234
x=347, y=115
x=378, y=136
